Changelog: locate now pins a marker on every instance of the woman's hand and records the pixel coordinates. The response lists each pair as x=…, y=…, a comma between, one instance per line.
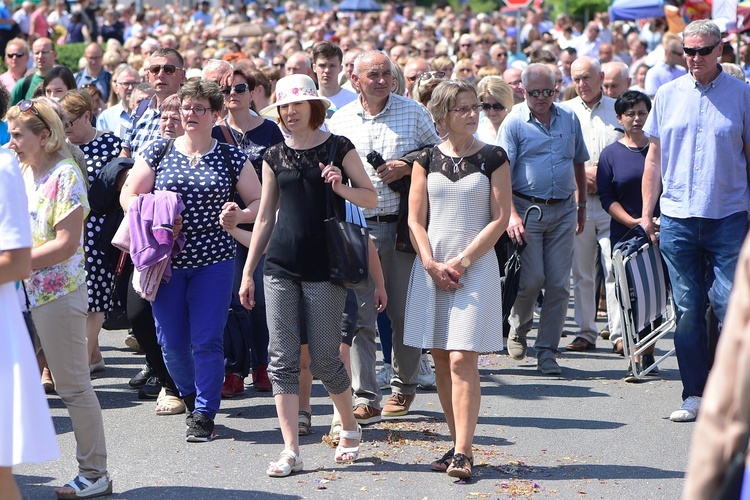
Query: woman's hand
x=331, y=174
x=228, y=216
x=177, y=226
x=444, y=276
x=247, y=292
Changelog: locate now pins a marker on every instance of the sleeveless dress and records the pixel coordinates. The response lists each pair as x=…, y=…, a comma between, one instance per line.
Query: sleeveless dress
x=470, y=318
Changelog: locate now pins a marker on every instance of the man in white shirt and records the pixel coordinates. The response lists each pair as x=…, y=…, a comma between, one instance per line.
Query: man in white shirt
x=117, y=118
x=327, y=66
x=588, y=43
x=667, y=70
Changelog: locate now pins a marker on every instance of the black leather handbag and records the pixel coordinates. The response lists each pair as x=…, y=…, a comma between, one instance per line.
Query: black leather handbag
x=347, y=243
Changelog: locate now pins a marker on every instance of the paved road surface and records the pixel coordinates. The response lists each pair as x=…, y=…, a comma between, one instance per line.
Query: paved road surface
x=585, y=434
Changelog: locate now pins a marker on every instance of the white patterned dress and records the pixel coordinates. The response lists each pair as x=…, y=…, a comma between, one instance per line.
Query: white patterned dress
x=470, y=318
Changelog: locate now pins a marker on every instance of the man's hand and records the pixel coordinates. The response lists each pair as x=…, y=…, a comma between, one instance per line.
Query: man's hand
x=650, y=227
x=393, y=170
x=515, y=230
x=591, y=180
x=581, y=220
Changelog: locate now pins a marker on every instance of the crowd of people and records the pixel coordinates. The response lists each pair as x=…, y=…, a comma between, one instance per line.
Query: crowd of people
x=214, y=161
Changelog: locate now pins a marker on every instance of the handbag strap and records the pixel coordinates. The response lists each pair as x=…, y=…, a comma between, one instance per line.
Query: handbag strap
x=332, y=208
x=26, y=296
x=228, y=135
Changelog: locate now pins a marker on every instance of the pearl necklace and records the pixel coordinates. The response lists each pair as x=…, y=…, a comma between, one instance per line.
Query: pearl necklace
x=457, y=163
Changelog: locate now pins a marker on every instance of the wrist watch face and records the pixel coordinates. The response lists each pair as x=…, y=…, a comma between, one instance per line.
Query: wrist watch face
x=465, y=261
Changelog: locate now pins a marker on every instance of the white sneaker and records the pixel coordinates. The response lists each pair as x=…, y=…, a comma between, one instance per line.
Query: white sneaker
x=426, y=373
x=688, y=411
x=384, y=376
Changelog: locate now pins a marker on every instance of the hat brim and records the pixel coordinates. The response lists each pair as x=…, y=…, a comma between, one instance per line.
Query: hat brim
x=272, y=110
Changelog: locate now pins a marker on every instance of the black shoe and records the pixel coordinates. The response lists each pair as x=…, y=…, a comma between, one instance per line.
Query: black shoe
x=200, y=428
x=151, y=389
x=141, y=377
x=630, y=376
x=648, y=360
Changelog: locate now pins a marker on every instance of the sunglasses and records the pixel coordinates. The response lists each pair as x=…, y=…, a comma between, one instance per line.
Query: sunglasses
x=239, y=89
x=169, y=69
x=128, y=84
x=15, y=55
x=497, y=106
x=702, y=51
x=433, y=74
x=27, y=106
x=544, y=92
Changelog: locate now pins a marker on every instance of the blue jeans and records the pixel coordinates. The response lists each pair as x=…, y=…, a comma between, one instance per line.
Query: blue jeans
x=190, y=313
x=385, y=332
x=701, y=256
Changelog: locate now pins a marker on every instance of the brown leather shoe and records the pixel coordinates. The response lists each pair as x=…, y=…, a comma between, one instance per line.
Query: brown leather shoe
x=580, y=344
x=397, y=405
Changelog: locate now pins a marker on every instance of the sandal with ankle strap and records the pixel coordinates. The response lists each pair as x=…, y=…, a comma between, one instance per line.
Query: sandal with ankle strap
x=348, y=455
x=461, y=466
x=282, y=467
x=304, y=422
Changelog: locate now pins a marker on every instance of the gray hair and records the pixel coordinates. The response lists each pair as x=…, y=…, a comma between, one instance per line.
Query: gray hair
x=620, y=66
x=594, y=62
x=364, y=55
x=216, y=66
x=398, y=79
x=734, y=70
x=537, y=69
x=702, y=27
x=444, y=97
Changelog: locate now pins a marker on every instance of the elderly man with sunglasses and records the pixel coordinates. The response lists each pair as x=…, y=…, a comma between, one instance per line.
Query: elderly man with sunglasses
x=17, y=54
x=697, y=168
x=547, y=152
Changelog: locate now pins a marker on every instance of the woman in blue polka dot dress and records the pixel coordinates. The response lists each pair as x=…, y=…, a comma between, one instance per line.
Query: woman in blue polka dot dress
x=191, y=309
x=99, y=148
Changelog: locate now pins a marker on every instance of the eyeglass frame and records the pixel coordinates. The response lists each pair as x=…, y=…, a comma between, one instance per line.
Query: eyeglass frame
x=466, y=110
x=70, y=123
x=700, y=51
x=194, y=110
x=15, y=55
x=496, y=107
x=537, y=92
x=228, y=89
x=429, y=75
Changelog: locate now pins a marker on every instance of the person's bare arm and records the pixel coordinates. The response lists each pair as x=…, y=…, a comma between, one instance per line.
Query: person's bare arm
x=140, y=180
x=581, y=184
x=64, y=245
x=15, y=264
x=361, y=192
x=651, y=186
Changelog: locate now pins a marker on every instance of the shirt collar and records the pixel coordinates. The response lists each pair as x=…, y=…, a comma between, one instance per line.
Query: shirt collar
x=362, y=112
x=586, y=106
x=532, y=118
x=713, y=83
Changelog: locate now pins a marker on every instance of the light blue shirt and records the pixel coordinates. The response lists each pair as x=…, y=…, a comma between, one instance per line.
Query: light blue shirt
x=702, y=131
x=114, y=119
x=541, y=160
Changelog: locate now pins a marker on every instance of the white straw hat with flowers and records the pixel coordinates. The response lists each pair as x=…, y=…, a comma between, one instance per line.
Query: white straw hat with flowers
x=294, y=88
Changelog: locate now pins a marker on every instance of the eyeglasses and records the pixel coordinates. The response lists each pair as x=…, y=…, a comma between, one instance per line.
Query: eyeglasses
x=466, y=44
x=15, y=55
x=42, y=52
x=702, y=51
x=433, y=74
x=71, y=122
x=168, y=69
x=466, y=110
x=279, y=65
x=128, y=84
x=544, y=92
x=239, y=89
x=675, y=52
x=270, y=41
x=28, y=106
x=497, y=106
x=197, y=110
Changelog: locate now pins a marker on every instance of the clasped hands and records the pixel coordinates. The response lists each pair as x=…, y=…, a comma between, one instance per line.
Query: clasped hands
x=446, y=275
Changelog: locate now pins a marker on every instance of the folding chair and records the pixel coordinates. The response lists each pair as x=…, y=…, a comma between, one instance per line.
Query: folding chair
x=644, y=296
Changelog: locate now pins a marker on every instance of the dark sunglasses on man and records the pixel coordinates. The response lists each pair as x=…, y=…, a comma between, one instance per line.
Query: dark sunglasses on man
x=702, y=51
x=15, y=55
x=169, y=69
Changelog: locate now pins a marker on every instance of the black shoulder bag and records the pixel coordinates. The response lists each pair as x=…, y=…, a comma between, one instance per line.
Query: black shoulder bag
x=30, y=326
x=347, y=242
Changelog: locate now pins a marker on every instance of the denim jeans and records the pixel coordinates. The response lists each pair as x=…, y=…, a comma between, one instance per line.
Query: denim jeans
x=190, y=313
x=701, y=256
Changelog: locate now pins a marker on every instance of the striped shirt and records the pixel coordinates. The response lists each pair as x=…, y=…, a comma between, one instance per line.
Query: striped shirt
x=402, y=126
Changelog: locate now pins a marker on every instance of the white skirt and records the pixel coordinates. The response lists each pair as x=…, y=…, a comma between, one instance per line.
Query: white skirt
x=26, y=430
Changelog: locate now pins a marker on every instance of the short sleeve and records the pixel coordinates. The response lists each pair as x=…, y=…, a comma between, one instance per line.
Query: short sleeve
x=68, y=191
x=497, y=158
x=152, y=151
x=344, y=146
x=15, y=229
x=423, y=158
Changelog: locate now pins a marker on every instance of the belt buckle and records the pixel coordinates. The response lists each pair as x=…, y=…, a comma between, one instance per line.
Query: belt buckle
x=549, y=201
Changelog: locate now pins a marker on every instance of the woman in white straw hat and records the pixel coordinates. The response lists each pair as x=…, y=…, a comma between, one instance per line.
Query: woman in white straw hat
x=299, y=295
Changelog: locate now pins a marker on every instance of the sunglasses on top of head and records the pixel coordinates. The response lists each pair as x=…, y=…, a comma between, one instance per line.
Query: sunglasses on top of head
x=239, y=89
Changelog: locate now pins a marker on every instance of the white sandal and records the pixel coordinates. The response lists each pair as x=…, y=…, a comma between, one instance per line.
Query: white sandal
x=87, y=488
x=348, y=455
x=282, y=467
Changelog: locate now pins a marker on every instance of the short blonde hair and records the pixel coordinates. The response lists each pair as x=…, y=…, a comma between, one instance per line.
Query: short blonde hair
x=444, y=97
x=45, y=118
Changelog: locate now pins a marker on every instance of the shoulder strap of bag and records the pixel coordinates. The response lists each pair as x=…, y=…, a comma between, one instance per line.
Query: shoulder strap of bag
x=232, y=171
x=25, y=85
x=142, y=107
x=162, y=154
x=26, y=296
x=228, y=135
x=332, y=208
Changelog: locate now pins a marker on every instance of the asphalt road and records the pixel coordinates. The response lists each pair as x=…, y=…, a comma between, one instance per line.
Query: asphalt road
x=585, y=434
